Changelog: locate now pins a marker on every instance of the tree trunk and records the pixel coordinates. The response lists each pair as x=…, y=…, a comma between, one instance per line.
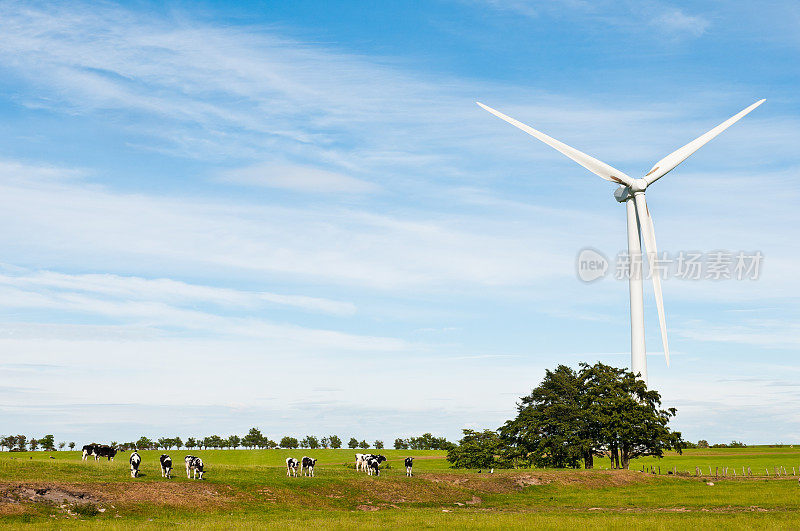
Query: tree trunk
x=626, y=456
x=588, y=460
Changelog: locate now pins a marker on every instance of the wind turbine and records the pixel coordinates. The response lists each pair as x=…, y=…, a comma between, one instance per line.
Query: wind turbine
x=640, y=224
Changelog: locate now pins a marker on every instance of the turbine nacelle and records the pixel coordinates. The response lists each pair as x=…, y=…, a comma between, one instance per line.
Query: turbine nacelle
x=623, y=193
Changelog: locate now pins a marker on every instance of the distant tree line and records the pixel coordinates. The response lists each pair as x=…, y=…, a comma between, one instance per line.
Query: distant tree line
x=573, y=417
x=702, y=443
x=426, y=441
x=253, y=439
x=21, y=443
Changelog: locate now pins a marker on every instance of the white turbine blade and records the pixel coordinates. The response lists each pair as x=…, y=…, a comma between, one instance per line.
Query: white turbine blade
x=595, y=166
x=649, y=238
x=668, y=163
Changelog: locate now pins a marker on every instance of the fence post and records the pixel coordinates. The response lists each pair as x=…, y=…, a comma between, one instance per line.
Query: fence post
x=716, y=472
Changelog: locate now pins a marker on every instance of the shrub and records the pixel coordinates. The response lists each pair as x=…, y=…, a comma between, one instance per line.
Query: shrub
x=86, y=509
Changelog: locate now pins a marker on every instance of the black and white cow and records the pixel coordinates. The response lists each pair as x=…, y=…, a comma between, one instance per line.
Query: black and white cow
x=307, y=466
x=291, y=466
x=362, y=464
x=88, y=449
x=360, y=461
x=373, y=464
x=97, y=451
x=409, y=463
x=166, y=466
x=135, y=461
x=194, y=467
x=105, y=451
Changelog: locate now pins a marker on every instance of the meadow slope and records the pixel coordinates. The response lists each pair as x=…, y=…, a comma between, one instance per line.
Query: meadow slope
x=246, y=488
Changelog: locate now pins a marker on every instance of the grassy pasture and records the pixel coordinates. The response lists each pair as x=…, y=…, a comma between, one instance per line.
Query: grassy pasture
x=249, y=488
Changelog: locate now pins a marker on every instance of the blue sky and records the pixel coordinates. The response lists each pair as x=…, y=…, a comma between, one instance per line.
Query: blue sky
x=293, y=215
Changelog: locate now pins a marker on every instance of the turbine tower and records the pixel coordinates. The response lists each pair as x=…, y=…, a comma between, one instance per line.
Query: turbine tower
x=640, y=223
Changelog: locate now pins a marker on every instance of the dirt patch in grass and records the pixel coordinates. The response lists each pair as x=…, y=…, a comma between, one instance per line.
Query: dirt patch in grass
x=45, y=493
x=185, y=495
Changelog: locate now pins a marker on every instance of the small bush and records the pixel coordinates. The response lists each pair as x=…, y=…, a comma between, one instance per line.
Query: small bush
x=86, y=509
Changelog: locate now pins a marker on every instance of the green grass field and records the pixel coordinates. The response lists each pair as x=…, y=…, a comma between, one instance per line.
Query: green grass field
x=249, y=488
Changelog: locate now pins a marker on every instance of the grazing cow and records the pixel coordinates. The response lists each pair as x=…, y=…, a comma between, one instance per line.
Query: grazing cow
x=97, y=451
x=373, y=464
x=135, y=461
x=194, y=467
x=166, y=466
x=307, y=466
x=291, y=466
x=409, y=464
x=105, y=451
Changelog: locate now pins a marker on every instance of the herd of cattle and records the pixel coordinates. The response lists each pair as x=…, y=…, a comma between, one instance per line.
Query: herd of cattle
x=194, y=466
x=369, y=463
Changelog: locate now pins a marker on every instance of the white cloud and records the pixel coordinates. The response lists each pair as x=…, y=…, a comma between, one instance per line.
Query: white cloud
x=629, y=16
x=486, y=215
x=298, y=178
x=167, y=290
x=97, y=227
x=675, y=21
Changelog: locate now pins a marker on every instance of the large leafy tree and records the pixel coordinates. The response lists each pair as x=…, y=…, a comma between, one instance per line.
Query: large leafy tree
x=336, y=442
x=626, y=417
x=550, y=428
x=573, y=416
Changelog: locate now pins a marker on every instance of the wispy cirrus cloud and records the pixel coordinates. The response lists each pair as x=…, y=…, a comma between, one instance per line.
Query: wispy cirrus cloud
x=166, y=290
x=424, y=211
x=663, y=17
x=298, y=178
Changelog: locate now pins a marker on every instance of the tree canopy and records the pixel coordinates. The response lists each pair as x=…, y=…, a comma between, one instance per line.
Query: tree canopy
x=477, y=449
x=571, y=417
